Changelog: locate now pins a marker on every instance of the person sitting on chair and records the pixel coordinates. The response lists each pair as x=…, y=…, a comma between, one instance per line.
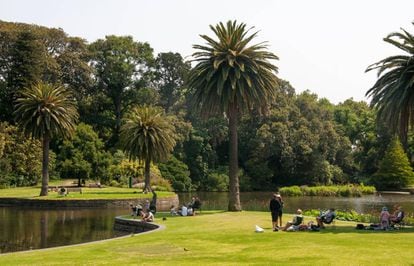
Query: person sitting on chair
x=397, y=216
x=295, y=223
x=326, y=218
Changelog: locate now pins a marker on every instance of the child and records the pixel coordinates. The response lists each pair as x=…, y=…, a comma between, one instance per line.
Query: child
x=384, y=218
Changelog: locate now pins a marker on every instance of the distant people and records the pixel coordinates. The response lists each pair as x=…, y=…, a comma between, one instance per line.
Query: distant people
x=146, y=205
x=147, y=216
x=190, y=211
x=384, y=218
x=183, y=211
x=295, y=223
x=135, y=209
x=275, y=207
x=195, y=204
x=173, y=211
x=397, y=216
x=153, y=203
x=326, y=217
x=279, y=198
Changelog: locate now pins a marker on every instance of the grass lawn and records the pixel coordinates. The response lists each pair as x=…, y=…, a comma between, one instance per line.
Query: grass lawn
x=224, y=238
x=87, y=193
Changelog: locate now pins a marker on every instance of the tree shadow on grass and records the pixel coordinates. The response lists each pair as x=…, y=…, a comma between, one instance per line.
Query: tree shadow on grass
x=352, y=229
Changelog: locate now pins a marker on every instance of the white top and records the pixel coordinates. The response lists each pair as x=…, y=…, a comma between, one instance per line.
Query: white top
x=184, y=211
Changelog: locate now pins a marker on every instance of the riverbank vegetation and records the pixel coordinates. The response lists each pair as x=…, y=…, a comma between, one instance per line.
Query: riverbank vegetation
x=228, y=238
x=300, y=140
x=328, y=191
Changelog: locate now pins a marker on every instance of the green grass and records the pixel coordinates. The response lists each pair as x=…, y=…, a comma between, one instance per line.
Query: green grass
x=224, y=238
x=87, y=193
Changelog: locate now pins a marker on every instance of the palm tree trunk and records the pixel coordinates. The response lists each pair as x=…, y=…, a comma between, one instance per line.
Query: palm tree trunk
x=234, y=192
x=147, y=174
x=45, y=165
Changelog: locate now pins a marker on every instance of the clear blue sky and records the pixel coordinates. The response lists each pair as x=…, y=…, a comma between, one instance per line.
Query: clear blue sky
x=324, y=46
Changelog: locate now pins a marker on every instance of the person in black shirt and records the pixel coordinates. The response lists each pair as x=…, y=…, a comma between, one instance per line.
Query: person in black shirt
x=275, y=208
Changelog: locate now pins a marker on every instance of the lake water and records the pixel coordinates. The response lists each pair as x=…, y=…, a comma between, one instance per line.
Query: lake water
x=25, y=229
x=28, y=228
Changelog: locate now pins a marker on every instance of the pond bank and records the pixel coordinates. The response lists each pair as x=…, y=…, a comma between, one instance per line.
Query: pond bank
x=163, y=203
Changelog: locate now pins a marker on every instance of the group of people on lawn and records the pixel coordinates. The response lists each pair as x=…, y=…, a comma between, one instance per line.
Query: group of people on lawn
x=149, y=209
x=187, y=209
x=386, y=219
x=276, y=210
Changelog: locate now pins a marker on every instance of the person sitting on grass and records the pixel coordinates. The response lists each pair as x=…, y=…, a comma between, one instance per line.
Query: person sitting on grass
x=147, y=216
x=295, y=223
x=326, y=217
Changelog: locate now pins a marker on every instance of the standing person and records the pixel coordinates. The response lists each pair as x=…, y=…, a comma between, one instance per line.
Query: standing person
x=384, y=218
x=279, y=198
x=153, y=203
x=274, y=207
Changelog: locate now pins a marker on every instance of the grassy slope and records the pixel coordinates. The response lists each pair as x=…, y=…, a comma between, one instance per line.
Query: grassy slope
x=87, y=193
x=228, y=239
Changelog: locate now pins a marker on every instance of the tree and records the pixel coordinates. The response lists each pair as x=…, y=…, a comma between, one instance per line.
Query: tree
x=83, y=156
x=31, y=53
x=393, y=92
x=232, y=77
x=394, y=171
x=149, y=136
x=177, y=173
x=45, y=111
x=170, y=74
x=121, y=65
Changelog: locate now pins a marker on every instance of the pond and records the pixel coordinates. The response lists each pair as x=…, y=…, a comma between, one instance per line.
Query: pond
x=28, y=228
x=259, y=201
x=25, y=228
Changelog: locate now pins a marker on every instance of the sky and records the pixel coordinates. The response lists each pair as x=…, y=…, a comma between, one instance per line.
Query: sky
x=323, y=46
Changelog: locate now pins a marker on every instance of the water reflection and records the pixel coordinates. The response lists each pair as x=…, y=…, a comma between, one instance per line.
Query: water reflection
x=259, y=201
x=25, y=229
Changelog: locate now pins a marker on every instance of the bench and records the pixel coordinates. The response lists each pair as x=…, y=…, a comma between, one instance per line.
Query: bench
x=74, y=189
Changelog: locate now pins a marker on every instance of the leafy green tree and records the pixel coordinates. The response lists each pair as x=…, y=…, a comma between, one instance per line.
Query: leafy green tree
x=232, y=77
x=170, y=74
x=147, y=135
x=19, y=158
x=394, y=171
x=45, y=111
x=31, y=53
x=177, y=173
x=121, y=65
x=393, y=92
x=83, y=156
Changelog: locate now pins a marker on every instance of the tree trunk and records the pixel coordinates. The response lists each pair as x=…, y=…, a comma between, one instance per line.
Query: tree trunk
x=147, y=175
x=234, y=192
x=45, y=165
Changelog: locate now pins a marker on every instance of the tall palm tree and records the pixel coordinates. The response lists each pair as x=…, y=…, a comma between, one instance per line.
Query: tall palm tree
x=232, y=76
x=149, y=136
x=44, y=111
x=393, y=92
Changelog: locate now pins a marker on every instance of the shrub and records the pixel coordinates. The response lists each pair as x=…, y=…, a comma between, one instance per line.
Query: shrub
x=328, y=191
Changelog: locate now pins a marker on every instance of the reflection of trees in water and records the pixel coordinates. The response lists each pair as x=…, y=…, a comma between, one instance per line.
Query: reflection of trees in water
x=25, y=229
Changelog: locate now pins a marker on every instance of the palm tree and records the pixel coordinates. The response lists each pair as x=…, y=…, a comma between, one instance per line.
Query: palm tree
x=149, y=136
x=44, y=111
x=393, y=92
x=231, y=77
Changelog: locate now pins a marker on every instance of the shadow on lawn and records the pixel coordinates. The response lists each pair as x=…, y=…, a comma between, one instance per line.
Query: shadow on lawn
x=351, y=229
